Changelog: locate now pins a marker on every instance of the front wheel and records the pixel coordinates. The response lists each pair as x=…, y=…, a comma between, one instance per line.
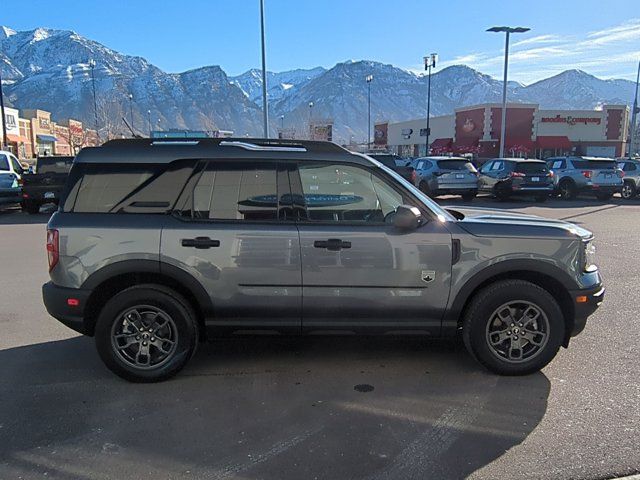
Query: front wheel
x=32, y=208
x=567, y=190
x=513, y=327
x=146, y=333
x=628, y=190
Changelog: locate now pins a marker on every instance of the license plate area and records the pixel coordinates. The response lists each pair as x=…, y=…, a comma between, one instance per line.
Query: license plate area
x=535, y=179
x=49, y=195
x=459, y=176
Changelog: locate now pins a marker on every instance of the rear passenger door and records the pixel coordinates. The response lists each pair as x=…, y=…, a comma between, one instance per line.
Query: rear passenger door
x=233, y=232
x=359, y=272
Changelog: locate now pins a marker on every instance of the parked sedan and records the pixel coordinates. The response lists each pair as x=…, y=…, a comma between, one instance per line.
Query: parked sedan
x=631, y=178
x=446, y=176
x=10, y=189
x=505, y=177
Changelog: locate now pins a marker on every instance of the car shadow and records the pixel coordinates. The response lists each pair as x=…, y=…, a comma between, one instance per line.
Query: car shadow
x=14, y=216
x=264, y=407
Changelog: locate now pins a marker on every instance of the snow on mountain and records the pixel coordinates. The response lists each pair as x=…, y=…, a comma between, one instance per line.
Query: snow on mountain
x=50, y=69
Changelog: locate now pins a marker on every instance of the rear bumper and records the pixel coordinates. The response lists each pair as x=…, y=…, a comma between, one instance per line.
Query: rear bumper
x=56, y=301
x=586, y=302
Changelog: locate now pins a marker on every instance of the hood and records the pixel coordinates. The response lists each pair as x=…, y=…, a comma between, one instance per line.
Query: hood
x=494, y=222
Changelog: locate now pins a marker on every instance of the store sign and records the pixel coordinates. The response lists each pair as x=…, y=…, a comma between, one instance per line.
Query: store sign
x=11, y=121
x=569, y=120
x=322, y=132
x=44, y=123
x=468, y=126
x=406, y=133
x=380, y=134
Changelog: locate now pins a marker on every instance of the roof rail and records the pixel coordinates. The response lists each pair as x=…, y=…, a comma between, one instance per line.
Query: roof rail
x=263, y=148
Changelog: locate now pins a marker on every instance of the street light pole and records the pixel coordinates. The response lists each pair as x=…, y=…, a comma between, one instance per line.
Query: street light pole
x=503, y=125
x=92, y=64
x=149, y=115
x=3, y=117
x=634, y=115
x=429, y=63
x=310, y=118
x=369, y=79
x=131, y=111
x=265, y=103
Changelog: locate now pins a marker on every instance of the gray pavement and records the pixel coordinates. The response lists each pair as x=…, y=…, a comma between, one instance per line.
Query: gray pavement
x=317, y=407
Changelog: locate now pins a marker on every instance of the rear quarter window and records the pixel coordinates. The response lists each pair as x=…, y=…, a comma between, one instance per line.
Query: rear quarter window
x=126, y=187
x=456, y=165
x=595, y=164
x=532, y=167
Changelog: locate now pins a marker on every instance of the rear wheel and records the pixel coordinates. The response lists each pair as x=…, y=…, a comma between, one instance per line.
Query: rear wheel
x=567, y=190
x=502, y=194
x=513, y=327
x=146, y=333
x=628, y=190
x=541, y=198
x=468, y=197
x=424, y=188
x=31, y=208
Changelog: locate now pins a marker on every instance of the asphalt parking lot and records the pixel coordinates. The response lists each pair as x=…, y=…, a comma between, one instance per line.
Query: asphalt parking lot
x=317, y=407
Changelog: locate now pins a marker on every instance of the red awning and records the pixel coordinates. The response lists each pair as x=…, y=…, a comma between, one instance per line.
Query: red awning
x=442, y=143
x=16, y=138
x=558, y=142
x=520, y=145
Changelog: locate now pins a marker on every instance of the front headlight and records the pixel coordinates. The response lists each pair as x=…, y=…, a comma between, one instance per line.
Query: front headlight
x=588, y=256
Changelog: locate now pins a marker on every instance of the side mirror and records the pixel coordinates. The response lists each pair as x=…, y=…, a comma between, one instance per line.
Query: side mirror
x=407, y=217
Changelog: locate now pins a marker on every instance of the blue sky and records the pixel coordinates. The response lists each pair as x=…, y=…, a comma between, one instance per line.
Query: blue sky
x=601, y=37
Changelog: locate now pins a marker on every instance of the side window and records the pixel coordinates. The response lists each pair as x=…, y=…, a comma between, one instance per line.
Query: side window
x=557, y=164
x=346, y=193
x=16, y=165
x=420, y=165
x=486, y=167
x=4, y=163
x=498, y=165
x=427, y=165
x=238, y=191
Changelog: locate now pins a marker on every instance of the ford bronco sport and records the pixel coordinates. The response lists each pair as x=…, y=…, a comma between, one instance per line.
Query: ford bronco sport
x=158, y=244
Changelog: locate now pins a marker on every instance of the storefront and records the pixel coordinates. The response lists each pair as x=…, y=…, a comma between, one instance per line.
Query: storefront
x=26, y=150
x=15, y=140
x=62, y=145
x=530, y=132
x=43, y=131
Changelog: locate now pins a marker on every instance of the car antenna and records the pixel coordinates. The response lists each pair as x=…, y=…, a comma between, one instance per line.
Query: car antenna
x=134, y=134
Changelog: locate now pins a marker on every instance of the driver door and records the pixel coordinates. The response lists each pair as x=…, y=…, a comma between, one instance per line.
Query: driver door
x=358, y=271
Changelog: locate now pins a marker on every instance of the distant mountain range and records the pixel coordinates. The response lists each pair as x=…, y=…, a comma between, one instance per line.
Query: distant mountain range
x=51, y=70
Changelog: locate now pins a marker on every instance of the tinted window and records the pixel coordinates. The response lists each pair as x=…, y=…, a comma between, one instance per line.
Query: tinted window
x=627, y=166
x=346, y=193
x=126, y=188
x=556, y=164
x=424, y=165
x=386, y=160
x=4, y=162
x=54, y=164
x=16, y=165
x=497, y=165
x=237, y=191
x=532, y=167
x=456, y=165
x=595, y=164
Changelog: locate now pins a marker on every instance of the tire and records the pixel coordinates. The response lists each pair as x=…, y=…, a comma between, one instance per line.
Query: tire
x=424, y=188
x=501, y=194
x=178, y=325
x=628, y=190
x=567, y=190
x=604, y=196
x=31, y=208
x=541, y=198
x=468, y=197
x=481, y=317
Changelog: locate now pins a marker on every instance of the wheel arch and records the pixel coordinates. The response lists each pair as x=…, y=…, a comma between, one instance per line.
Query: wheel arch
x=547, y=276
x=111, y=279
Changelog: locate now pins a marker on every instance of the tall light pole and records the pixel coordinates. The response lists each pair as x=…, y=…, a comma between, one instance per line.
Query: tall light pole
x=369, y=79
x=503, y=125
x=149, y=116
x=310, y=119
x=131, y=111
x=634, y=115
x=429, y=63
x=92, y=65
x=265, y=103
x=4, y=143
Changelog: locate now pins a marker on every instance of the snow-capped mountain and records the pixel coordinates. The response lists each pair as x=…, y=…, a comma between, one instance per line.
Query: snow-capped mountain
x=51, y=70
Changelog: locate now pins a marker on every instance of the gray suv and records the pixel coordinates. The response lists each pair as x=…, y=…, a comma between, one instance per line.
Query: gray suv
x=159, y=244
x=631, y=178
x=593, y=175
x=446, y=176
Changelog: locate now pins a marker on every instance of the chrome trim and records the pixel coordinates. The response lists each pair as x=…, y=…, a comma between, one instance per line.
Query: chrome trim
x=261, y=148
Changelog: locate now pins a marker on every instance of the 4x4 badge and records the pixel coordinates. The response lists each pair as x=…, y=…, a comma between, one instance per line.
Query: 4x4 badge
x=428, y=276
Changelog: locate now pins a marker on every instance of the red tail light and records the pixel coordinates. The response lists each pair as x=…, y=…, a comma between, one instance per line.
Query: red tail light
x=516, y=174
x=587, y=173
x=551, y=174
x=414, y=175
x=621, y=173
x=53, y=248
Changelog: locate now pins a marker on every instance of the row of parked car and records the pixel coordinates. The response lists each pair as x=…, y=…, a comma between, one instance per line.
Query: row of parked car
x=507, y=177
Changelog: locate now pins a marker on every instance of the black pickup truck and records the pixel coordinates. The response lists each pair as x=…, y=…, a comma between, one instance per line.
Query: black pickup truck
x=395, y=163
x=46, y=184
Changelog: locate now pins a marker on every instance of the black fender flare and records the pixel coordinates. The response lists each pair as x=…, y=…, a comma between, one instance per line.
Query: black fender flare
x=180, y=276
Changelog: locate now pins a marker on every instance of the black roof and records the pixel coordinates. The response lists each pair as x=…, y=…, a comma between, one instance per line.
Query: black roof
x=154, y=150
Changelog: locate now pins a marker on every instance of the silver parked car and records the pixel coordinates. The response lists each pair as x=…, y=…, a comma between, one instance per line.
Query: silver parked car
x=446, y=176
x=593, y=175
x=201, y=238
x=631, y=169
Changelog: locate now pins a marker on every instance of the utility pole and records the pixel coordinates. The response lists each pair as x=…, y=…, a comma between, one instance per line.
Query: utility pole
x=92, y=64
x=369, y=79
x=131, y=111
x=265, y=103
x=149, y=115
x=634, y=116
x=429, y=63
x=310, y=120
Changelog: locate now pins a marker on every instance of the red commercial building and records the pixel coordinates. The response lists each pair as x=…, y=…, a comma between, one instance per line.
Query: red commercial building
x=530, y=132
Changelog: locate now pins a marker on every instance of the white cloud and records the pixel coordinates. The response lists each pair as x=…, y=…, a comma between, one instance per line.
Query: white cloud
x=540, y=39
x=627, y=31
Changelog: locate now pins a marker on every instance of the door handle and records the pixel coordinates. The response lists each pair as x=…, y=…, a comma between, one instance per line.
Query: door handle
x=200, y=242
x=333, y=244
